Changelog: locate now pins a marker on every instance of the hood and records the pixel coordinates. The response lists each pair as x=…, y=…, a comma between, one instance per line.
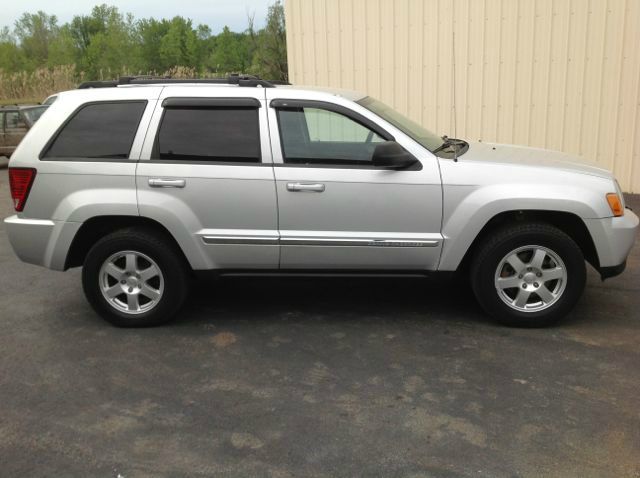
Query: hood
x=536, y=157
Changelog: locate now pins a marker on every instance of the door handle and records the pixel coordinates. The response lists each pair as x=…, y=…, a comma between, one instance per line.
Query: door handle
x=167, y=183
x=305, y=187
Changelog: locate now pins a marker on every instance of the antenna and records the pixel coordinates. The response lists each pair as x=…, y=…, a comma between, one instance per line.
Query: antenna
x=453, y=76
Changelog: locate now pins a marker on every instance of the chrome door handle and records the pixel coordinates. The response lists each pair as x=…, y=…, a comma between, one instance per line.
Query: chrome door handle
x=167, y=183
x=305, y=187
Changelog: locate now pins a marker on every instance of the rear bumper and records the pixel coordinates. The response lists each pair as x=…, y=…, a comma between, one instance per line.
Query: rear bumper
x=41, y=242
x=613, y=238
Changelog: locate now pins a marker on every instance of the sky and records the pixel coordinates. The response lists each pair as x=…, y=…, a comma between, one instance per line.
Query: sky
x=214, y=13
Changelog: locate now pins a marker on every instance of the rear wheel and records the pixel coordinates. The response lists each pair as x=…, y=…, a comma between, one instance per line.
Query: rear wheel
x=528, y=275
x=135, y=278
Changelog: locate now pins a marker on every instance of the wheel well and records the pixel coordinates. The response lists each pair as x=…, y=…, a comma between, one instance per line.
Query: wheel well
x=567, y=222
x=97, y=227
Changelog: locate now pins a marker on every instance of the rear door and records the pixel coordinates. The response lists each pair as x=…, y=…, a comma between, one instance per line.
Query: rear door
x=206, y=174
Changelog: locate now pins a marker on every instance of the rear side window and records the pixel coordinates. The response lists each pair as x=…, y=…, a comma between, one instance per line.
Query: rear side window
x=216, y=134
x=99, y=130
x=15, y=124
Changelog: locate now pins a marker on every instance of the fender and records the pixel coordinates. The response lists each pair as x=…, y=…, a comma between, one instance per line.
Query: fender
x=467, y=209
x=181, y=222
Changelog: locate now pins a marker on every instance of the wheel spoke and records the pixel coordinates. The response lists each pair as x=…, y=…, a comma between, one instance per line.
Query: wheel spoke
x=148, y=273
x=522, y=298
x=515, y=262
x=133, y=302
x=538, y=259
x=113, y=291
x=149, y=292
x=508, y=282
x=132, y=262
x=113, y=270
x=552, y=274
x=545, y=294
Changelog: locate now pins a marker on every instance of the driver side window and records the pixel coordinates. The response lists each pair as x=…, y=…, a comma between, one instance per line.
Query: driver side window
x=320, y=136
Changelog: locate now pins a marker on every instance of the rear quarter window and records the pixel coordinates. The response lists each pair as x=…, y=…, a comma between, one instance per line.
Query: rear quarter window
x=98, y=131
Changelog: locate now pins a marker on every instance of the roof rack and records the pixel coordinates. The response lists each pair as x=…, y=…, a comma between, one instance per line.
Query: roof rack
x=233, y=79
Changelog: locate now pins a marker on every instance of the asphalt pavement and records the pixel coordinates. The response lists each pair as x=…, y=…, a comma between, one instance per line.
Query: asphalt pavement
x=315, y=378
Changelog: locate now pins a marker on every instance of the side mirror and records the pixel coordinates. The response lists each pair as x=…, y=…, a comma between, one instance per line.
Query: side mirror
x=392, y=156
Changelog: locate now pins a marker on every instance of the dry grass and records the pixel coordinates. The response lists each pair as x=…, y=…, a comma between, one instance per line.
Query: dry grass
x=33, y=87
x=37, y=84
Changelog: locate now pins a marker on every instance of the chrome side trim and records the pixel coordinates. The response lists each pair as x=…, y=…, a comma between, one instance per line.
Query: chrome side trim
x=307, y=241
x=264, y=237
x=260, y=240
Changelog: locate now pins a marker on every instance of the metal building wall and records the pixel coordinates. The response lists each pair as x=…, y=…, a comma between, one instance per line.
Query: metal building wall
x=558, y=74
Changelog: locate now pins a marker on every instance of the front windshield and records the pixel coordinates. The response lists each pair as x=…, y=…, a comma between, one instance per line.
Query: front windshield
x=32, y=114
x=426, y=138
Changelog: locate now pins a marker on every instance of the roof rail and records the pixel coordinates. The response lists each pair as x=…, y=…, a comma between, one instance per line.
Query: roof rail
x=233, y=79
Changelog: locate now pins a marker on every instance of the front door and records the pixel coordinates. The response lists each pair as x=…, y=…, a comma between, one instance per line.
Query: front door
x=205, y=172
x=338, y=211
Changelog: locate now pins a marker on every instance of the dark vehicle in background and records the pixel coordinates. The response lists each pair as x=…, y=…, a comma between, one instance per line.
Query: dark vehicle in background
x=15, y=121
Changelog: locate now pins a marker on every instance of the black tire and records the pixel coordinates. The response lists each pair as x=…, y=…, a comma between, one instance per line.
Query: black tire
x=501, y=242
x=155, y=246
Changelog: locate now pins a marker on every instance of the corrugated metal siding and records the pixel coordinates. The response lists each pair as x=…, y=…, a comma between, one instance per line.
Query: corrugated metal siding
x=558, y=74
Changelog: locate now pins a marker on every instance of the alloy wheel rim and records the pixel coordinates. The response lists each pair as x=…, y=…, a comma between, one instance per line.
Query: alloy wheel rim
x=131, y=282
x=531, y=278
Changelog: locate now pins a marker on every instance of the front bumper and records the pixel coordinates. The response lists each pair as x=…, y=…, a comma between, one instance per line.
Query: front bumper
x=613, y=238
x=41, y=242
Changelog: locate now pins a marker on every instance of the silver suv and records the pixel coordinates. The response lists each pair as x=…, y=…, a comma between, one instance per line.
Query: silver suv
x=146, y=182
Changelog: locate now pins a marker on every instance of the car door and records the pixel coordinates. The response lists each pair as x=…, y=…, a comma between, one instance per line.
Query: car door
x=15, y=129
x=206, y=173
x=338, y=211
x=2, y=147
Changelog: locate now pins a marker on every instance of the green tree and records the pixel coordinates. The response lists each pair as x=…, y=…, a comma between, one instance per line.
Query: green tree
x=62, y=50
x=270, y=57
x=179, y=46
x=104, y=41
x=109, y=43
x=150, y=33
x=230, y=52
x=35, y=32
x=11, y=57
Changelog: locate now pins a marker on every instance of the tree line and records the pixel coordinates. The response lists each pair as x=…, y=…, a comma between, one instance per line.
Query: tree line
x=108, y=40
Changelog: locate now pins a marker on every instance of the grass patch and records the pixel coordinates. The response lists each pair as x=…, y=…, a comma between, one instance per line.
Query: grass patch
x=21, y=101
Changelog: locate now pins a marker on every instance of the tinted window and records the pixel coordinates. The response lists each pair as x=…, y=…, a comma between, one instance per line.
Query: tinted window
x=15, y=123
x=229, y=134
x=99, y=130
x=319, y=136
x=33, y=114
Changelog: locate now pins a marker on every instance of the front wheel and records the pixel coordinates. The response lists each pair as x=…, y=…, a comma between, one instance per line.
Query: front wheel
x=135, y=278
x=528, y=275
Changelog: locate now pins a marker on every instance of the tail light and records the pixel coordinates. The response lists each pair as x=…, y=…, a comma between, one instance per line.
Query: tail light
x=20, y=181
